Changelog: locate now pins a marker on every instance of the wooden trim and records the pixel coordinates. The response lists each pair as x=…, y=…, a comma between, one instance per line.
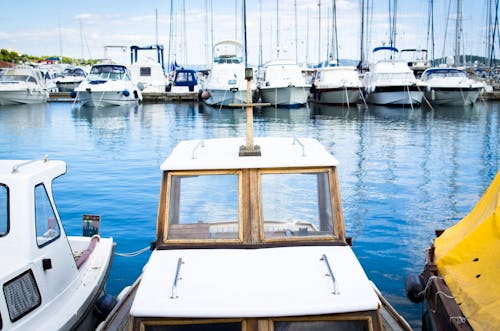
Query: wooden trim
x=337, y=204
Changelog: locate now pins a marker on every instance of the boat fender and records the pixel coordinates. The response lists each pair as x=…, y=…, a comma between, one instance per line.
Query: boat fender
x=312, y=89
x=72, y=94
x=414, y=288
x=136, y=94
x=104, y=305
x=168, y=88
x=126, y=93
x=140, y=86
x=205, y=94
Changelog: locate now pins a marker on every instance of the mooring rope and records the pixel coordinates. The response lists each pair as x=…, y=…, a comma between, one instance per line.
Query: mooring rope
x=132, y=254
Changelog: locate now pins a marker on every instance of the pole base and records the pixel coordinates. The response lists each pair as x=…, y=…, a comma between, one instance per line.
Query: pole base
x=255, y=151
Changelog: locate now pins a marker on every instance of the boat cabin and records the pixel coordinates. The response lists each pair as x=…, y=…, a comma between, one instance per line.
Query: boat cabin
x=253, y=243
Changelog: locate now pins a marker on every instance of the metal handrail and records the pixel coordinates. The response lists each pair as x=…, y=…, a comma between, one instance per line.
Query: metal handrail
x=200, y=143
x=295, y=139
x=19, y=165
x=174, y=285
x=330, y=274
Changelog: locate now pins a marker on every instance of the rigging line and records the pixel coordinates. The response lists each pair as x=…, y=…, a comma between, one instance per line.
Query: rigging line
x=135, y=253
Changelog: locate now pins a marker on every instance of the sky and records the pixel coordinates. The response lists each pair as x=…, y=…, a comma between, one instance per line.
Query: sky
x=82, y=29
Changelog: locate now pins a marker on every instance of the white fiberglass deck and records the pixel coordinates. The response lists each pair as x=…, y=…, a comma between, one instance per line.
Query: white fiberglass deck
x=265, y=282
x=224, y=154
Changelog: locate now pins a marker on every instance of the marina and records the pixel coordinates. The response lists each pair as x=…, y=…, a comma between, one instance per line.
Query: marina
x=404, y=172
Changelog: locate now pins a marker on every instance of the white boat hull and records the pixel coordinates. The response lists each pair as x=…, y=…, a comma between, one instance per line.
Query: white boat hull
x=225, y=97
x=24, y=96
x=452, y=96
x=285, y=96
x=106, y=98
x=337, y=96
x=402, y=97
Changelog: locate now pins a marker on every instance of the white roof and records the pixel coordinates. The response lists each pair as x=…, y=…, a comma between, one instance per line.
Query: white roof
x=267, y=282
x=224, y=154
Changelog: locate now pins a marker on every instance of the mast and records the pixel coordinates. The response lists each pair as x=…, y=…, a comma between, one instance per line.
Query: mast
x=319, y=32
x=170, y=34
x=307, y=38
x=296, y=38
x=260, y=36
x=184, y=32
x=334, y=32
x=277, y=29
x=362, y=39
x=458, y=33
x=244, y=4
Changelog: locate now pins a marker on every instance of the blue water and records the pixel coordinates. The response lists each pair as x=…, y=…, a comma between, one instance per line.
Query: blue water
x=403, y=172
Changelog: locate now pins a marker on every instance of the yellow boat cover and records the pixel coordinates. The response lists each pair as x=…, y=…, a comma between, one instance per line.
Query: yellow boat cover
x=468, y=257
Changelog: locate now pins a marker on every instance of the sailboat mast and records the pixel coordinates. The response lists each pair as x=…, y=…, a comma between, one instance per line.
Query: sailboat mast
x=244, y=10
x=334, y=32
x=296, y=38
x=277, y=29
x=362, y=39
x=458, y=33
x=170, y=34
x=319, y=32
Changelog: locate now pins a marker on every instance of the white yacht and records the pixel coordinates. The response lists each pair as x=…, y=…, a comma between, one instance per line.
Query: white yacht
x=226, y=82
x=337, y=85
x=107, y=85
x=149, y=75
x=50, y=281
x=450, y=86
x=70, y=78
x=22, y=86
x=283, y=84
x=390, y=81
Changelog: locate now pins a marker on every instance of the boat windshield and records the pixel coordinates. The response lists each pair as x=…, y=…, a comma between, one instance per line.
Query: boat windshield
x=289, y=205
x=17, y=78
x=444, y=73
x=108, y=72
x=4, y=210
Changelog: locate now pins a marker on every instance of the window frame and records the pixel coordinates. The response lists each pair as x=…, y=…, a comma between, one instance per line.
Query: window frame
x=56, y=217
x=7, y=210
x=165, y=201
x=335, y=221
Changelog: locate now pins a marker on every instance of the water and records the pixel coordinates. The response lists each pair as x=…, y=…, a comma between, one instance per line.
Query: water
x=403, y=172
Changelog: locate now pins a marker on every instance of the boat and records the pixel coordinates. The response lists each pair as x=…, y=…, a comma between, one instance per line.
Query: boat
x=50, y=280
x=148, y=74
x=70, y=78
x=336, y=85
x=450, y=86
x=107, y=85
x=390, y=81
x=459, y=282
x=283, y=84
x=183, y=81
x=22, y=86
x=251, y=237
x=417, y=60
x=226, y=82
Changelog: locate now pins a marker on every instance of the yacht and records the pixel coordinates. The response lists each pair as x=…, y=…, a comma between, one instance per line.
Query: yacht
x=22, y=86
x=70, y=78
x=50, y=281
x=450, y=86
x=390, y=81
x=107, y=85
x=337, y=85
x=149, y=76
x=226, y=82
x=283, y=84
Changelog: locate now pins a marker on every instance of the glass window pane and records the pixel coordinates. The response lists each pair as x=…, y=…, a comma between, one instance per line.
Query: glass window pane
x=204, y=207
x=354, y=325
x=296, y=204
x=196, y=327
x=4, y=210
x=47, y=228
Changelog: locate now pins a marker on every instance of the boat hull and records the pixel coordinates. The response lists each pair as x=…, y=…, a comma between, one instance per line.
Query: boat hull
x=285, y=96
x=337, y=96
x=106, y=98
x=452, y=96
x=68, y=86
x=18, y=97
x=225, y=97
x=397, y=96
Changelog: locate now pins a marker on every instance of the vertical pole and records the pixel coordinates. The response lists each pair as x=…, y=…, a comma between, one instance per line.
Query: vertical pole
x=249, y=143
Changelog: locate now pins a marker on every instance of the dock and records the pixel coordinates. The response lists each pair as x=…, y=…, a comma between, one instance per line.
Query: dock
x=151, y=97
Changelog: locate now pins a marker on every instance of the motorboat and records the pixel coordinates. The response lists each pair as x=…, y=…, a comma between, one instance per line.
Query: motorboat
x=390, y=81
x=416, y=58
x=226, y=84
x=459, y=282
x=22, y=86
x=107, y=85
x=251, y=237
x=450, y=86
x=183, y=81
x=70, y=78
x=336, y=85
x=283, y=84
x=50, y=280
x=148, y=74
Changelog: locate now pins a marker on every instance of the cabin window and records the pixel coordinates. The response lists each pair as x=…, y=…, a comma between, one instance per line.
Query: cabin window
x=4, y=210
x=295, y=205
x=47, y=227
x=145, y=71
x=204, y=207
x=332, y=325
x=21, y=295
x=196, y=327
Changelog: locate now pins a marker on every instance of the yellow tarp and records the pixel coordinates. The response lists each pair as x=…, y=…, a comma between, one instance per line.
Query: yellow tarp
x=468, y=257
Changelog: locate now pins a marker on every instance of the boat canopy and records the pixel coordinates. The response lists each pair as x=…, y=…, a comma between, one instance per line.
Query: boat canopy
x=385, y=48
x=467, y=258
